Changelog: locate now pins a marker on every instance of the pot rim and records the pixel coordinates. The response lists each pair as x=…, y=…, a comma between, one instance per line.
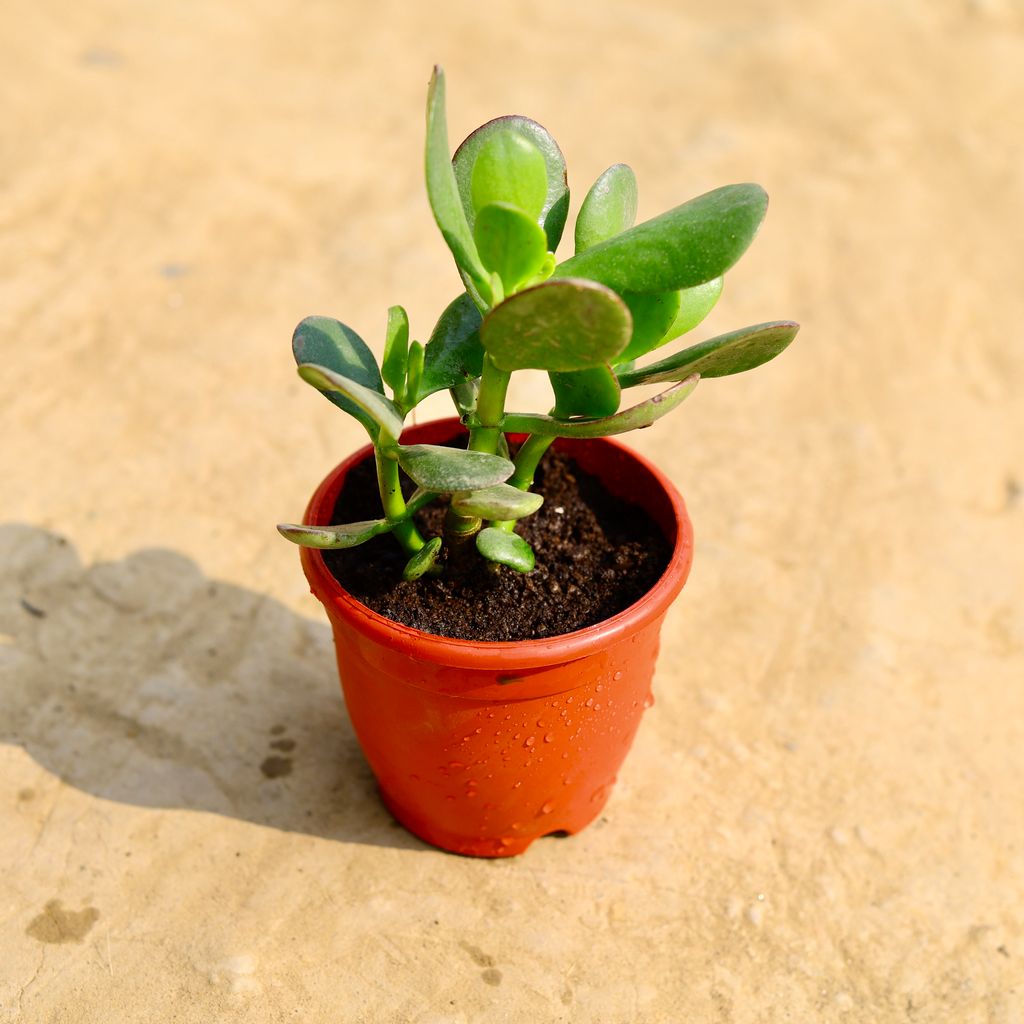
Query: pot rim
x=493, y=654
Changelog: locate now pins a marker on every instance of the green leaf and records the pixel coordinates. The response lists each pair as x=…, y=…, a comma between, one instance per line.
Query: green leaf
x=609, y=208
x=453, y=354
x=684, y=247
x=559, y=325
x=443, y=192
x=653, y=315
x=396, y=350
x=414, y=373
x=441, y=469
x=380, y=410
x=509, y=168
x=556, y=203
x=423, y=561
x=510, y=243
x=694, y=306
x=719, y=357
x=345, y=535
x=642, y=415
x=505, y=548
x=502, y=501
x=593, y=392
x=327, y=342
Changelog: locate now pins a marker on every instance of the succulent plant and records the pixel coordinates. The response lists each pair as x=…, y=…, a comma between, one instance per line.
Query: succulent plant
x=501, y=204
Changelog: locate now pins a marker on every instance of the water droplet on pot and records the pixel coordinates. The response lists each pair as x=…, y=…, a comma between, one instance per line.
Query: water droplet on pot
x=547, y=807
x=568, y=700
x=529, y=741
x=599, y=687
x=617, y=676
x=456, y=766
x=549, y=737
x=590, y=702
x=516, y=785
x=597, y=707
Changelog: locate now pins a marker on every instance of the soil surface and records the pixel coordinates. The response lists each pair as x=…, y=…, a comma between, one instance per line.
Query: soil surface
x=596, y=555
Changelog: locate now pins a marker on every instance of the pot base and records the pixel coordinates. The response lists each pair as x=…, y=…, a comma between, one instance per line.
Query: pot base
x=476, y=846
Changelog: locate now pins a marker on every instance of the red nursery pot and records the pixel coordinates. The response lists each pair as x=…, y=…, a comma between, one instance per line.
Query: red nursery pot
x=481, y=747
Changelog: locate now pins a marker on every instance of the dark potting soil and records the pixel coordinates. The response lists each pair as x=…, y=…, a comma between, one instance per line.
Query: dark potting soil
x=596, y=555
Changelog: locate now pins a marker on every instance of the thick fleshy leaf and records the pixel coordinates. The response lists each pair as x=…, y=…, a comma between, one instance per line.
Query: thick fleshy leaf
x=502, y=501
x=423, y=561
x=345, y=535
x=653, y=315
x=328, y=342
x=380, y=410
x=719, y=357
x=635, y=418
x=558, y=325
x=694, y=306
x=556, y=203
x=684, y=247
x=442, y=191
x=506, y=548
x=441, y=469
x=510, y=243
x=609, y=208
x=593, y=392
x=414, y=371
x=509, y=168
x=453, y=354
x=396, y=350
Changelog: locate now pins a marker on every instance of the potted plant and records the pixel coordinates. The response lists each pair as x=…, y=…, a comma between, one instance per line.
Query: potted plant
x=486, y=722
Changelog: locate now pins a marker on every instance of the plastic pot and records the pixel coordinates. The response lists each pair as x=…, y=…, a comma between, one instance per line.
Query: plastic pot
x=480, y=747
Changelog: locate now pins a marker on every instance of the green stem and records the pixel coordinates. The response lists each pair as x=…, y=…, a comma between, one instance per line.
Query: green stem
x=526, y=461
x=394, y=504
x=490, y=408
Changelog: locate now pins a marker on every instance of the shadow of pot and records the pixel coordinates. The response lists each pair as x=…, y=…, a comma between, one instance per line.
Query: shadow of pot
x=479, y=748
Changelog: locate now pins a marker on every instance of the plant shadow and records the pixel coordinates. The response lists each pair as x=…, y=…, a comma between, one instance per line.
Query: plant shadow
x=144, y=682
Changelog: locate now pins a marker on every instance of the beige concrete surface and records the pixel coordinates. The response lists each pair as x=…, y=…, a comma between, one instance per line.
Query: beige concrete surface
x=823, y=816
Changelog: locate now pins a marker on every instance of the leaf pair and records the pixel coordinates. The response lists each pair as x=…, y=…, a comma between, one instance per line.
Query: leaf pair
x=500, y=202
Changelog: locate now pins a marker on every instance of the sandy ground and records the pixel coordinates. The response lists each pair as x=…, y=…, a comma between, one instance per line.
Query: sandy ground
x=823, y=816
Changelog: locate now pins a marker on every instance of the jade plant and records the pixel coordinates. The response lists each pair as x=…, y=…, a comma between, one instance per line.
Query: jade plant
x=501, y=203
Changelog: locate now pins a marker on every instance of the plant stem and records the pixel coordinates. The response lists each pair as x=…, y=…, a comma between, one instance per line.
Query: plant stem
x=394, y=504
x=527, y=459
x=490, y=408
x=459, y=530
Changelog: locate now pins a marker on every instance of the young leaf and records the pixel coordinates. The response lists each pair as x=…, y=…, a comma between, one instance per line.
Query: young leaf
x=381, y=412
x=443, y=192
x=345, y=535
x=414, y=373
x=718, y=357
x=686, y=246
x=559, y=325
x=694, y=305
x=505, y=548
x=510, y=243
x=423, y=561
x=593, y=392
x=396, y=350
x=556, y=203
x=441, y=469
x=453, y=354
x=509, y=168
x=609, y=208
x=327, y=342
x=653, y=314
x=502, y=501
x=639, y=416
